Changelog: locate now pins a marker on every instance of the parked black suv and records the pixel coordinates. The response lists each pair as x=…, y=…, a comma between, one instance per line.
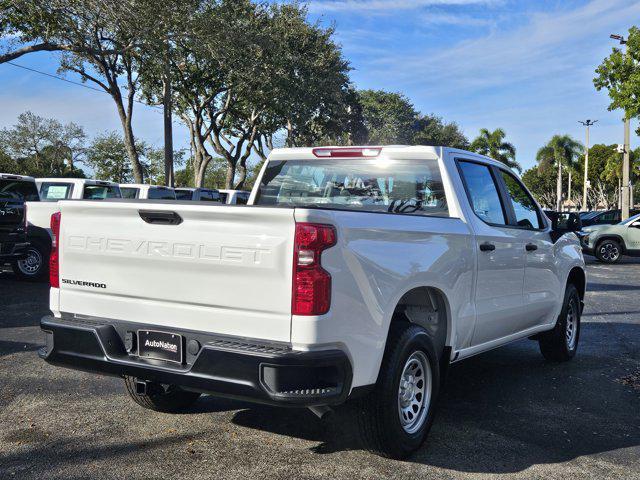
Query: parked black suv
x=608, y=217
x=14, y=191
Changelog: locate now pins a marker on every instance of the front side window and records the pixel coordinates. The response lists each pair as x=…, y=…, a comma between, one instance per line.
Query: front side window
x=380, y=185
x=242, y=198
x=129, y=192
x=161, y=194
x=52, y=192
x=18, y=190
x=483, y=192
x=100, y=192
x=526, y=211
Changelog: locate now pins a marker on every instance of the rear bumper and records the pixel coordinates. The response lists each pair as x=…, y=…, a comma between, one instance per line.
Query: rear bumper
x=13, y=251
x=222, y=366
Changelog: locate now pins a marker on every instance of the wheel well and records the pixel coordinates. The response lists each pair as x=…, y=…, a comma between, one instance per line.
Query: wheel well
x=578, y=278
x=427, y=307
x=615, y=238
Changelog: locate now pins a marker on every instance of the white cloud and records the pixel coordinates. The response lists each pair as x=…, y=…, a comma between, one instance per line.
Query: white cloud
x=457, y=20
x=321, y=6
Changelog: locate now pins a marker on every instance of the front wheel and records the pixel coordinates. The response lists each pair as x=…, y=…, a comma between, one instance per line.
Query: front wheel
x=35, y=266
x=393, y=421
x=608, y=251
x=561, y=343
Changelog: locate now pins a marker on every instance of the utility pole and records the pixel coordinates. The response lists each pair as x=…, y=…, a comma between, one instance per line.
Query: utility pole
x=624, y=203
x=585, y=189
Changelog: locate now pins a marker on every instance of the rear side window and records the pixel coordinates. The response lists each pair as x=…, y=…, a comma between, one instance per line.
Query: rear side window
x=129, y=192
x=100, y=192
x=18, y=190
x=224, y=197
x=483, y=192
x=209, y=196
x=161, y=194
x=368, y=185
x=52, y=192
x=242, y=198
x=184, y=194
x=527, y=215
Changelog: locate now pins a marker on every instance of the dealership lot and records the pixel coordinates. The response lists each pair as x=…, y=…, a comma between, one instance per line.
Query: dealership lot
x=504, y=412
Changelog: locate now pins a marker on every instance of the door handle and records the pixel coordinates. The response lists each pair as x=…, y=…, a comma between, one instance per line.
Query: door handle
x=531, y=247
x=487, y=247
x=156, y=217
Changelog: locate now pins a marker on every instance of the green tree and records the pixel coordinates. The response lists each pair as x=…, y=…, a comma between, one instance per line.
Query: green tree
x=107, y=156
x=433, y=130
x=390, y=118
x=619, y=73
x=493, y=144
x=44, y=146
x=542, y=185
x=560, y=152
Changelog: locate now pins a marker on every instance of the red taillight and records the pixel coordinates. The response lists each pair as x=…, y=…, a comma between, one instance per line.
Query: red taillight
x=54, y=258
x=311, y=283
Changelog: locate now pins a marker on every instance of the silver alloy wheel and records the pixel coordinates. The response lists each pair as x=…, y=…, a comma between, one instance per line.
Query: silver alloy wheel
x=609, y=252
x=414, y=392
x=571, y=330
x=32, y=264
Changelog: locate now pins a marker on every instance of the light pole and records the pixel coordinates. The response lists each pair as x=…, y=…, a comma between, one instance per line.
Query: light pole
x=625, y=159
x=587, y=124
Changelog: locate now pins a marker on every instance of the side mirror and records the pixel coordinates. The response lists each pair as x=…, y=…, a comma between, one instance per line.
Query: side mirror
x=564, y=222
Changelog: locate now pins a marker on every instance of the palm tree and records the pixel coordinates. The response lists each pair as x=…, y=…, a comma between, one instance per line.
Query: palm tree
x=492, y=145
x=561, y=151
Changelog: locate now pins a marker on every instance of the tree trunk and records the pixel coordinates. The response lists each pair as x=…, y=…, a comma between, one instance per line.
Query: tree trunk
x=231, y=174
x=130, y=142
x=168, y=127
x=559, y=188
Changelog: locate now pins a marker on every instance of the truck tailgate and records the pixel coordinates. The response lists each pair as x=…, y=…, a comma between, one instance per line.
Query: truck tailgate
x=223, y=269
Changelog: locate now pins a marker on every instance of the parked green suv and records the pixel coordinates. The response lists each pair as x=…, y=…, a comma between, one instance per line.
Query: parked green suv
x=609, y=242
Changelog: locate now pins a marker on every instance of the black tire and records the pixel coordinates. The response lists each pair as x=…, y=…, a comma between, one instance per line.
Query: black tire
x=378, y=414
x=168, y=399
x=34, y=268
x=608, y=251
x=561, y=344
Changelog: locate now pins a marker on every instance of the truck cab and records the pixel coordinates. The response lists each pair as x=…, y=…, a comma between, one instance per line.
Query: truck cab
x=138, y=191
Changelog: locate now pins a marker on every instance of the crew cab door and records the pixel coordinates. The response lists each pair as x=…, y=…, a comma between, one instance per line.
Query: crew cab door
x=542, y=290
x=500, y=254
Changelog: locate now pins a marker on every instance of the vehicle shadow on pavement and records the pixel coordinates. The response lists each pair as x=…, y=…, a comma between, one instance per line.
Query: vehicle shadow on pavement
x=10, y=347
x=509, y=409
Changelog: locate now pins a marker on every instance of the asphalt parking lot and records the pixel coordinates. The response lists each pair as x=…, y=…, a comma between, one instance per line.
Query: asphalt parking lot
x=506, y=412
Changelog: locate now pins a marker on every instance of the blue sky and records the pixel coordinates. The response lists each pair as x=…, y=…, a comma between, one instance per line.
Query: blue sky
x=525, y=66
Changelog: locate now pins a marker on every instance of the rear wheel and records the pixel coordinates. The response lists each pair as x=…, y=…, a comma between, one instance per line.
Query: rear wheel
x=608, y=251
x=35, y=266
x=394, y=420
x=161, y=398
x=561, y=343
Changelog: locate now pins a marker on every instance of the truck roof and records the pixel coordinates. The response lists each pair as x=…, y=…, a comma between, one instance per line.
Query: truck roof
x=373, y=151
x=12, y=176
x=143, y=185
x=76, y=181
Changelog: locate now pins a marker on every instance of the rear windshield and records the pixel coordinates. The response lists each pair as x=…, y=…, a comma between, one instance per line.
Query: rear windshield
x=184, y=194
x=129, y=192
x=18, y=190
x=52, y=192
x=389, y=186
x=100, y=192
x=161, y=194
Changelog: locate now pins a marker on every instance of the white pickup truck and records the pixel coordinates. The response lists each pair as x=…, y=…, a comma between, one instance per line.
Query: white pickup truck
x=52, y=190
x=354, y=276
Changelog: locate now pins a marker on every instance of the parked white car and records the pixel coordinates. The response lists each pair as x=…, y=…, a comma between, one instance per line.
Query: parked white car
x=198, y=194
x=364, y=273
x=51, y=191
x=234, y=197
x=141, y=191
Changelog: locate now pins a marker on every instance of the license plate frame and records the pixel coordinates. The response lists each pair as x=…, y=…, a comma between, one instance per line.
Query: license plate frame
x=162, y=348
